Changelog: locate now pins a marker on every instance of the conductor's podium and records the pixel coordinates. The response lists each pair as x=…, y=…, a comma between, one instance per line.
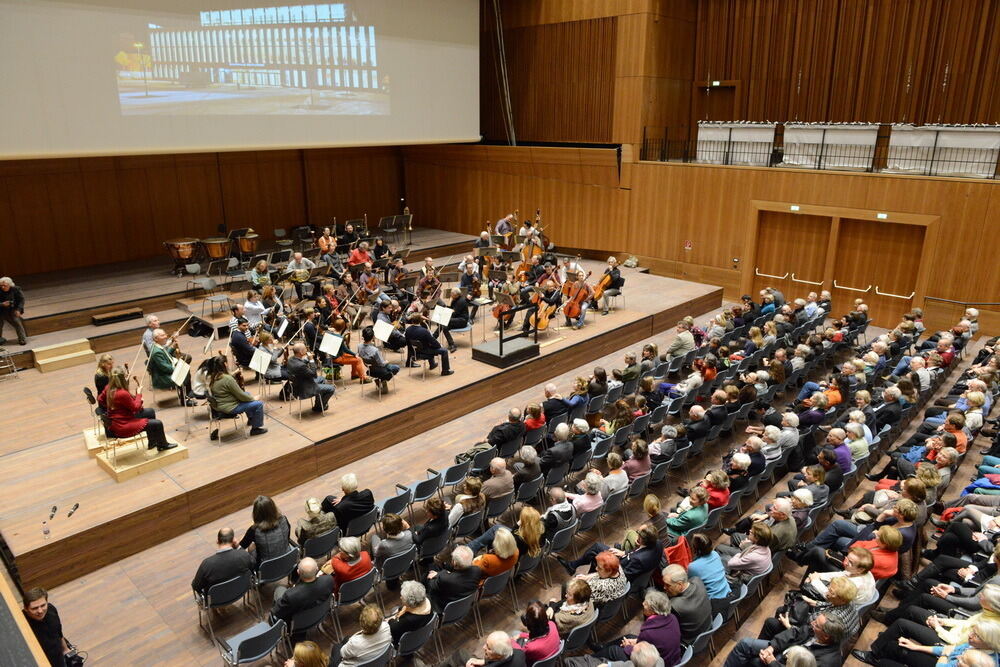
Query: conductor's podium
x=125, y=458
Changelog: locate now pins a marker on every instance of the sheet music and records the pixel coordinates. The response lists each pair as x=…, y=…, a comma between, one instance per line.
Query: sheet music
x=383, y=330
x=181, y=370
x=260, y=361
x=282, y=327
x=331, y=344
x=441, y=315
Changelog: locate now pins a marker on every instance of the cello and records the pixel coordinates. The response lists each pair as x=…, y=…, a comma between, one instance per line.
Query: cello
x=540, y=318
x=571, y=309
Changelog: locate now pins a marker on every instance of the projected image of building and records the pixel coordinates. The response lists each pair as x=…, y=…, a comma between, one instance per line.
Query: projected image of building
x=289, y=58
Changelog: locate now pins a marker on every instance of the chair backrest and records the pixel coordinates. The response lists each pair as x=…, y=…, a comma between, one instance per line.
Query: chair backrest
x=675, y=365
x=613, y=503
x=601, y=448
x=621, y=436
x=610, y=609
x=279, y=567
x=700, y=642
x=481, y=461
x=414, y=640
x=527, y=563
x=468, y=524
x=578, y=412
x=629, y=387
x=256, y=647
x=686, y=658
x=614, y=393
x=556, y=475
x=550, y=661
x=641, y=423
x=431, y=547
x=456, y=610
x=529, y=490
x=658, y=413
x=588, y=519
x=679, y=458
x=381, y=660
x=308, y=619
x=638, y=486
x=355, y=589
x=596, y=404
x=396, y=565
x=507, y=449
x=562, y=538
x=495, y=585
x=534, y=436
x=358, y=526
x=321, y=545
x=427, y=488
x=580, y=461
x=498, y=505
x=577, y=637
x=228, y=591
x=398, y=503
x=659, y=472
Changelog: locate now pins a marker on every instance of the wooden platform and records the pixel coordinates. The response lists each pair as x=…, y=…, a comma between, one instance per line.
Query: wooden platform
x=42, y=463
x=56, y=313
x=130, y=462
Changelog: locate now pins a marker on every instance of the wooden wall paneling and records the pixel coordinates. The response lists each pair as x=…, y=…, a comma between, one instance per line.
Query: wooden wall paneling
x=240, y=183
x=29, y=200
x=103, y=203
x=199, y=194
x=164, y=200
x=279, y=174
x=347, y=183
x=66, y=192
x=140, y=233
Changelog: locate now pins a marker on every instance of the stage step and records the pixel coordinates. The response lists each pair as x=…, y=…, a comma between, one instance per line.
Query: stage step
x=60, y=349
x=66, y=360
x=134, y=459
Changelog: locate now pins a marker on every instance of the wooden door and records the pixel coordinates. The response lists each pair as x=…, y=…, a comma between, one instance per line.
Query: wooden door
x=882, y=256
x=788, y=245
x=714, y=103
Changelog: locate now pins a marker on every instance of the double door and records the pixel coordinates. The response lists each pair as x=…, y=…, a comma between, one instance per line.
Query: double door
x=850, y=256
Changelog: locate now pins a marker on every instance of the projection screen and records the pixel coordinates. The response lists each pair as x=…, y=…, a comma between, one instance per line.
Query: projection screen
x=100, y=77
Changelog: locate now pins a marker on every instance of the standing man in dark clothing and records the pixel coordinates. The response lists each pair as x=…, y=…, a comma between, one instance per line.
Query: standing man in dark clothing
x=12, y=310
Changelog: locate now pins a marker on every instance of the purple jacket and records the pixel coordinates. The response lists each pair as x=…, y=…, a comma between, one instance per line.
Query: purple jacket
x=843, y=453
x=663, y=632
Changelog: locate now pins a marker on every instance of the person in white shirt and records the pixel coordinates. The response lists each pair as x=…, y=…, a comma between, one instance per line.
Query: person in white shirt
x=857, y=565
x=254, y=310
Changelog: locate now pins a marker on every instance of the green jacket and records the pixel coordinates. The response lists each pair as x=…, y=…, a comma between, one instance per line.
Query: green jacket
x=160, y=368
x=687, y=521
x=228, y=395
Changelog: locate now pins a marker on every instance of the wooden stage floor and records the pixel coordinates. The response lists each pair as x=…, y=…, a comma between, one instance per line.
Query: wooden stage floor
x=43, y=461
x=144, y=603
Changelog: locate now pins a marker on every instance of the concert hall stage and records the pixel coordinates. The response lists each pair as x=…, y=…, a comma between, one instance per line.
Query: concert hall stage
x=59, y=305
x=44, y=462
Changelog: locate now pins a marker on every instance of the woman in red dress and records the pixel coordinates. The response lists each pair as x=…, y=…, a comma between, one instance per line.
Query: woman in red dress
x=126, y=416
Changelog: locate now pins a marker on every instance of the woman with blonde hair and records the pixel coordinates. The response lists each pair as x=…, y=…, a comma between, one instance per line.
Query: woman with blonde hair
x=102, y=376
x=307, y=654
x=501, y=557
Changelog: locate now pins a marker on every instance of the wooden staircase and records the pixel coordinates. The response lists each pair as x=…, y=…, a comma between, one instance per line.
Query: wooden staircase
x=63, y=355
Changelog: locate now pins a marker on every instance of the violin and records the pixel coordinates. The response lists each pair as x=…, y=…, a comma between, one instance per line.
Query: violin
x=572, y=308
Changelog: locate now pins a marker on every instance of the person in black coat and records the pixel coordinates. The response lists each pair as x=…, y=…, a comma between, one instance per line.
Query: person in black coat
x=553, y=405
x=306, y=383
x=512, y=429
x=454, y=582
x=238, y=343
x=698, y=426
x=560, y=452
x=227, y=562
x=312, y=589
x=422, y=344
x=354, y=503
x=644, y=558
x=890, y=412
x=436, y=524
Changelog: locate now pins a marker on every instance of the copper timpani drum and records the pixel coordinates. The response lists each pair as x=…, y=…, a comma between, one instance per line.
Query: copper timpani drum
x=182, y=249
x=248, y=243
x=216, y=247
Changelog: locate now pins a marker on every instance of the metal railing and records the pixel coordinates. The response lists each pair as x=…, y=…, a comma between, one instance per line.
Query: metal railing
x=880, y=158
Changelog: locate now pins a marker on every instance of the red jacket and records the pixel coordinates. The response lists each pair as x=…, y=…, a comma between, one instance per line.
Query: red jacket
x=716, y=497
x=358, y=256
x=343, y=571
x=124, y=423
x=886, y=562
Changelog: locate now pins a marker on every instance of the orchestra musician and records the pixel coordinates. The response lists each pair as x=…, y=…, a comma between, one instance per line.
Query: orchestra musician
x=472, y=283
x=396, y=272
x=428, y=285
x=423, y=345
x=254, y=310
x=380, y=250
x=226, y=397
x=483, y=241
x=260, y=276
x=152, y=324
x=569, y=268
x=275, y=371
x=504, y=226
x=307, y=380
x=309, y=330
x=323, y=308
x=466, y=261
x=389, y=312
x=241, y=342
x=346, y=356
x=127, y=416
x=347, y=240
x=581, y=293
x=614, y=283
x=370, y=285
x=360, y=255
x=452, y=298
x=300, y=267
x=269, y=297
x=377, y=367
x=428, y=266
x=161, y=367
x=327, y=247
x=549, y=296
x=237, y=311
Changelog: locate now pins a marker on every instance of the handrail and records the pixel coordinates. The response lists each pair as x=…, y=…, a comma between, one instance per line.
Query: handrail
x=768, y=275
x=964, y=303
x=895, y=296
x=807, y=282
x=853, y=289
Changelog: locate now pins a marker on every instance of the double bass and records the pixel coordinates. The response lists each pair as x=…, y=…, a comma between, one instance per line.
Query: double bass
x=572, y=308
